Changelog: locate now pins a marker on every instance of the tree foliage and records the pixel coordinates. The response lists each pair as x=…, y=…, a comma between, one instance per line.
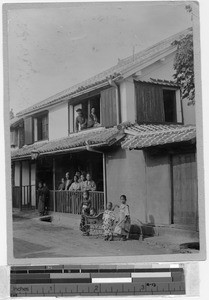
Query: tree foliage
x=184, y=68
x=11, y=114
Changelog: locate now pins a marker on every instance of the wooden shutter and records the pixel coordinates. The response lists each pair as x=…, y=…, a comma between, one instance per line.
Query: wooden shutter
x=12, y=137
x=45, y=128
x=149, y=103
x=21, y=137
x=108, y=107
x=28, y=125
x=185, y=208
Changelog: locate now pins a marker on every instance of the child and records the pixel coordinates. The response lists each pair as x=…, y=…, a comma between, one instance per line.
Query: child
x=91, y=214
x=108, y=221
x=85, y=210
x=123, y=226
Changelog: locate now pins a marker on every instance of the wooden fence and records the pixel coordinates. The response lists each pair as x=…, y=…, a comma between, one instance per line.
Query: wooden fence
x=24, y=197
x=16, y=197
x=70, y=202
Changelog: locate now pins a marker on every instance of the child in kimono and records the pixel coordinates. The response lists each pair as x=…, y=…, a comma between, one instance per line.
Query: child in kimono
x=123, y=225
x=85, y=210
x=108, y=222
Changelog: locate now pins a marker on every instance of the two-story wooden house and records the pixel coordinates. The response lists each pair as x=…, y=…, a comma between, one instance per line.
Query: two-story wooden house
x=145, y=146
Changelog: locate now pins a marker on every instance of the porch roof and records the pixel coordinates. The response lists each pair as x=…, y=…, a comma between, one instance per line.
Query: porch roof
x=74, y=142
x=143, y=136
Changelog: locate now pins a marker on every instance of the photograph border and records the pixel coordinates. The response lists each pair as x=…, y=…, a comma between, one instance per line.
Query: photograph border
x=200, y=163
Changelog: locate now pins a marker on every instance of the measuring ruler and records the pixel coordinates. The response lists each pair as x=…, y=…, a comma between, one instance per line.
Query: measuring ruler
x=60, y=280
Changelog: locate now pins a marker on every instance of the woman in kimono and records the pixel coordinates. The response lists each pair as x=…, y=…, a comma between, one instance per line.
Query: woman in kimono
x=41, y=199
x=123, y=225
x=75, y=186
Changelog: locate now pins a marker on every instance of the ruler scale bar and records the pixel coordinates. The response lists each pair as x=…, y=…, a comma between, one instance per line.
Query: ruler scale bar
x=61, y=280
x=144, y=275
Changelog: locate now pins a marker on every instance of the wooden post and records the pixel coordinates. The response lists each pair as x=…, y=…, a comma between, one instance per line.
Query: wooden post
x=118, y=105
x=146, y=204
x=54, y=187
x=172, y=192
x=20, y=204
x=29, y=202
x=104, y=180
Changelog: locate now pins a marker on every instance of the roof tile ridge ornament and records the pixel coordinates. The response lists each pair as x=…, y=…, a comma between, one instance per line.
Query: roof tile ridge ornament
x=124, y=125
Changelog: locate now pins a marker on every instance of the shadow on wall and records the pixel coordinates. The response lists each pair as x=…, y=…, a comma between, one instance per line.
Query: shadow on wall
x=156, y=156
x=121, y=154
x=141, y=230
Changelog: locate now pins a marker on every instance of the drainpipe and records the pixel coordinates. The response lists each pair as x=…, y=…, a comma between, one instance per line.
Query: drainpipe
x=88, y=148
x=54, y=168
x=112, y=83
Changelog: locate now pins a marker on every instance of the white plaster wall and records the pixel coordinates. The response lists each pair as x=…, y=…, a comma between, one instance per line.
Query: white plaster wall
x=178, y=107
x=127, y=100
x=159, y=70
x=25, y=173
x=58, y=121
x=17, y=174
x=189, y=113
x=126, y=175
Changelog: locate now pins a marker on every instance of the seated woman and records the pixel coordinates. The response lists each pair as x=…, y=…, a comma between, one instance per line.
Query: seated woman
x=75, y=186
x=124, y=223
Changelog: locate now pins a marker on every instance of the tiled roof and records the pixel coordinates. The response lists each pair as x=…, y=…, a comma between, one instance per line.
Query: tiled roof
x=143, y=136
x=116, y=72
x=167, y=83
x=94, y=137
x=15, y=121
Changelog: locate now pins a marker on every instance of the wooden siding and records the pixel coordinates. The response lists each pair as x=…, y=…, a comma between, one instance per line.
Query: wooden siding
x=185, y=202
x=149, y=103
x=108, y=107
x=28, y=125
x=21, y=137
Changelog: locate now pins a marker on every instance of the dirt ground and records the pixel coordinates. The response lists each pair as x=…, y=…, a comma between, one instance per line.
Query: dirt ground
x=36, y=239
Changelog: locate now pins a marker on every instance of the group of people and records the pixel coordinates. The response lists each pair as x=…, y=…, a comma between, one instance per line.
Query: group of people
x=112, y=224
x=82, y=122
x=81, y=182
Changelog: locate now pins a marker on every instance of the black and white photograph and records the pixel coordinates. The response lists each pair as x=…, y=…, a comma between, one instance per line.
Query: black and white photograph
x=104, y=131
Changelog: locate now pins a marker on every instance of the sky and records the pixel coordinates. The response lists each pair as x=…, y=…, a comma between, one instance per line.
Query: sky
x=51, y=48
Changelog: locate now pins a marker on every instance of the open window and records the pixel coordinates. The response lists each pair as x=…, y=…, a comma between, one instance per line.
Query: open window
x=105, y=111
x=86, y=106
x=156, y=103
x=169, y=100
x=41, y=127
x=17, y=136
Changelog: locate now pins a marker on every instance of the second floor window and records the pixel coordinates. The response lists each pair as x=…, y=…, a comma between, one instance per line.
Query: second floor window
x=17, y=136
x=157, y=104
x=41, y=128
x=169, y=100
x=95, y=111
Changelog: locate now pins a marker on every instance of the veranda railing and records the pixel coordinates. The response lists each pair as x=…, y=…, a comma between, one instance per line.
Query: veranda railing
x=70, y=202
